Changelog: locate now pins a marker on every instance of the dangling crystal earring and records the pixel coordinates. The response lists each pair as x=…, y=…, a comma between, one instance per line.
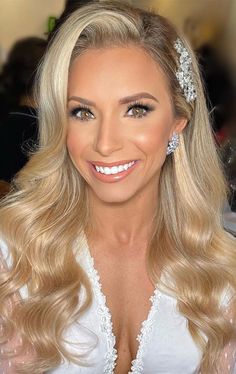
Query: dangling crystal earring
x=173, y=143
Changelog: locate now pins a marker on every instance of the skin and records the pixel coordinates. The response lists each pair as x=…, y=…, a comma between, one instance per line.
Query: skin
x=114, y=130
x=110, y=131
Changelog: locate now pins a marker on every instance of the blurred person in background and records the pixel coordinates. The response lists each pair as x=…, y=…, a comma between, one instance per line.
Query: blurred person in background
x=18, y=115
x=220, y=91
x=221, y=94
x=228, y=155
x=18, y=121
x=219, y=85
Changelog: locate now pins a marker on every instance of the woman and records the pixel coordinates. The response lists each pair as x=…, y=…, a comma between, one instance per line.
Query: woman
x=123, y=199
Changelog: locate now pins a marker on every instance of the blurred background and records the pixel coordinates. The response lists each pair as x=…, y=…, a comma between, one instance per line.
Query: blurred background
x=206, y=21
x=25, y=25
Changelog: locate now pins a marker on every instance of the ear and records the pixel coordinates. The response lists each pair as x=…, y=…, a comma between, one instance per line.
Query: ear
x=179, y=125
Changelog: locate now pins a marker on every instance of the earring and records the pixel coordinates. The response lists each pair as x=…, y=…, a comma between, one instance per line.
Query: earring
x=173, y=143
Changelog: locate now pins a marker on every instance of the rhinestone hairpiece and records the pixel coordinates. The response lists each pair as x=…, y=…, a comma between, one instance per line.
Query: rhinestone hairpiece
x=184, y=73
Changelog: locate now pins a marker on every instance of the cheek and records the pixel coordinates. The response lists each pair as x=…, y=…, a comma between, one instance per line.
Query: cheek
x=75, y=145
x=153, y=141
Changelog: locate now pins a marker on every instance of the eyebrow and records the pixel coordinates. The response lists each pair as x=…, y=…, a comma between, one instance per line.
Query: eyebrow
x=138, y=96
x=81, y=100
x=124, y=100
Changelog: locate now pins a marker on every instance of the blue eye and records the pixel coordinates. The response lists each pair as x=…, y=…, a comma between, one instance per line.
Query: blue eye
x=138, y=110
x=82, y=113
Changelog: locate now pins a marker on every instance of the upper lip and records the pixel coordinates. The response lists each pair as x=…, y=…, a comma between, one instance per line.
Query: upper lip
x=110, y=164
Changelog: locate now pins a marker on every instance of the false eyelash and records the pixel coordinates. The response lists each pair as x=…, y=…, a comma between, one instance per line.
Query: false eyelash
x=139, y=104
x=74, y=111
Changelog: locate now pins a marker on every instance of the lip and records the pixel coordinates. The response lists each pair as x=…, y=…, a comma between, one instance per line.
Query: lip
x=112, y=178
x=110, y=164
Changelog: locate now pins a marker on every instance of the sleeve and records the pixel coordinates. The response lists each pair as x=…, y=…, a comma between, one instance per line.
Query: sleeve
x=6, y=364
x=227, y=358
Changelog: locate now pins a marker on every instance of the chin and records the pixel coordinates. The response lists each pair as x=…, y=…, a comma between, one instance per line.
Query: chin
x=113, y=197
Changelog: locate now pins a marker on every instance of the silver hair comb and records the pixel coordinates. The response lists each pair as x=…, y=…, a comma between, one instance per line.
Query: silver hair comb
x=184, y=73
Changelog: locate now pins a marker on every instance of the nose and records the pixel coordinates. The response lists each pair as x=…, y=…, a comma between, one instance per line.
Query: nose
x=108, y=138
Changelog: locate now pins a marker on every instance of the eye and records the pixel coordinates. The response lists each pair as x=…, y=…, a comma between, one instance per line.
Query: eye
x=82, y=113
x=138, y=110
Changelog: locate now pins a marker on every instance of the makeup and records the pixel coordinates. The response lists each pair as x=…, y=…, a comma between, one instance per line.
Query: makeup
x=112, y=172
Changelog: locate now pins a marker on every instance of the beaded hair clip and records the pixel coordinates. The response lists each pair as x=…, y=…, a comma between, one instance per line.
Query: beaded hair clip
x=184, y=73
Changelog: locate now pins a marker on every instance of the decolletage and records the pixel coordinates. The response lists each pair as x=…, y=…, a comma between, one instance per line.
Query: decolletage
x=165, y=344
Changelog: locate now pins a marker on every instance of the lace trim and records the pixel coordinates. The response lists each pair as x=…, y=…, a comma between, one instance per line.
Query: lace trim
x=105, y=318
x=106, y=324
x=145, y=335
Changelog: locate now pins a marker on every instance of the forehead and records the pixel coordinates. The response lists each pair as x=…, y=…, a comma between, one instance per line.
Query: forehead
x=117, y=70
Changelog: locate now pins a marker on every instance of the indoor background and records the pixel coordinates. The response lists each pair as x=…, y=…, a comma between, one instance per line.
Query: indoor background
x=205, y=21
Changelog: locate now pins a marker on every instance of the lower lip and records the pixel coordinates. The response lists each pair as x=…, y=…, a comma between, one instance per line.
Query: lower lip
x=112, y=178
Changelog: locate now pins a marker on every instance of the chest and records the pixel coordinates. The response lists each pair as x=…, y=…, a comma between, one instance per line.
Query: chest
x=135, y=334
x=128, y=289
x=164, y=345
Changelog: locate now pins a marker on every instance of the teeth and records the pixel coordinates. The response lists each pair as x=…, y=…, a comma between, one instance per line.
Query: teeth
x=107, y=171
x=114, y=169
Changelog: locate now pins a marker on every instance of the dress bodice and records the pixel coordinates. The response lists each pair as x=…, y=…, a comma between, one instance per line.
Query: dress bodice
x=165, y=344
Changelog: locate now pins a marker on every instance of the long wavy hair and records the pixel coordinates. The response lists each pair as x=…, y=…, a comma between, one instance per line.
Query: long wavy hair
x=47, y=210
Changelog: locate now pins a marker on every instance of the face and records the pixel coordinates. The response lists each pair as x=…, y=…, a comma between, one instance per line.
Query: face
x=120, y=119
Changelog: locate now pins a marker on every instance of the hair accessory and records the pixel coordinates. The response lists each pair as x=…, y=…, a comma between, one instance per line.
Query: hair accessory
x=173, y=143
x=184, y=73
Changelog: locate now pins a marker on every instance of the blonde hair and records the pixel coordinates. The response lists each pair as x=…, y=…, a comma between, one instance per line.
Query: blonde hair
x=48, y=209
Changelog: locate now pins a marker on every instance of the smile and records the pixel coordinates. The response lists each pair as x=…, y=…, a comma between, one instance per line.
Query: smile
x=112, y=172
x=114, y=169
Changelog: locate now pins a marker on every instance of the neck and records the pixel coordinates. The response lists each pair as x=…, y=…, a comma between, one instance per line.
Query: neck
x=124, y=224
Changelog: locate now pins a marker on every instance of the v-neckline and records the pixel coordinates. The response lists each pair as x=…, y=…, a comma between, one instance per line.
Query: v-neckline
x=106, y=324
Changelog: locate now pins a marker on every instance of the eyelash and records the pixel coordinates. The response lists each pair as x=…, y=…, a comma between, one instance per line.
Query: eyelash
x=138, y=104
x=74, y=112
x=135, y=105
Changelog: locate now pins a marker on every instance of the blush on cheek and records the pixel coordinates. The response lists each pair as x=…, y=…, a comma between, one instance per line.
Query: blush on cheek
x=152, y=140
x=71, y=143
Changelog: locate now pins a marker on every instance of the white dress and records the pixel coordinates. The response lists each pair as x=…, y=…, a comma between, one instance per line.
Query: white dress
x=165, y=344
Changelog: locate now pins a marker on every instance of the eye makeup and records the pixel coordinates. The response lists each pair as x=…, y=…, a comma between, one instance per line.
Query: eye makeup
x=140, y=109
x=81, y=112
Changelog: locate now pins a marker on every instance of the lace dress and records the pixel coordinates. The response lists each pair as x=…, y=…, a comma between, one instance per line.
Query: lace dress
x=165, y=344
